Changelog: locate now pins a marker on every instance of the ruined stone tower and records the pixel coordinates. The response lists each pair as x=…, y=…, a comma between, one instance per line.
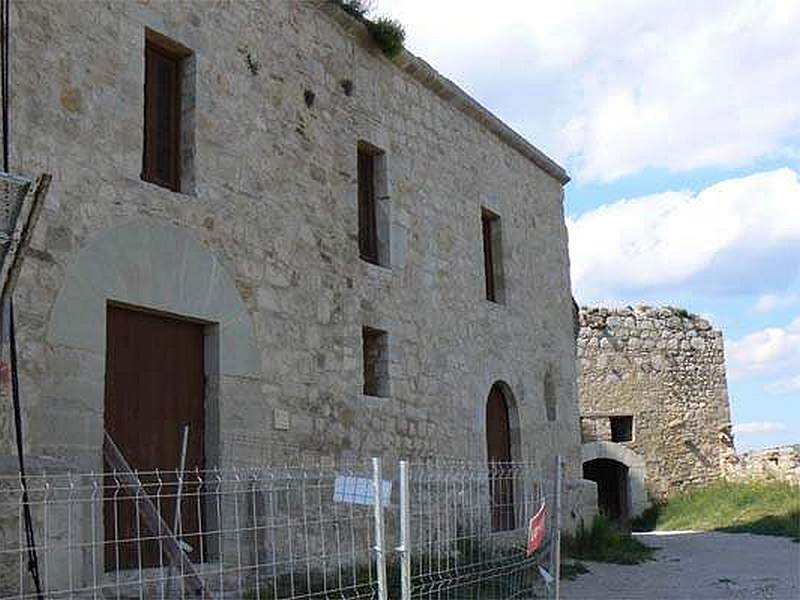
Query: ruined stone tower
x=653, y=402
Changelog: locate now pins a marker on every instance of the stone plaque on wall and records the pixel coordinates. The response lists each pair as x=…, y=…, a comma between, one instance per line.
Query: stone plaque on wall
x=280, y=419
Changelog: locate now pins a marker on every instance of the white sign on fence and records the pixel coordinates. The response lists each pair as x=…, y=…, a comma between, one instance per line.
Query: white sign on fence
x=358, y=490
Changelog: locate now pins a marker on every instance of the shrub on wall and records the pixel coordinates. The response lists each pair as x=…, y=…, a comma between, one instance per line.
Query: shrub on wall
x=389, y=34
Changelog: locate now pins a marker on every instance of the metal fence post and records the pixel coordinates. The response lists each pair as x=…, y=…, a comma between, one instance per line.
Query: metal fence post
x=405, y=533
x=380, y=549
x=557, y=573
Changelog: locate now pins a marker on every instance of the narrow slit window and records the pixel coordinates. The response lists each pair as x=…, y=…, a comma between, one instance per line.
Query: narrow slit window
x=550, y=397
x=492, y=256
x=621, y=428
x=168, y=114
x=367, y=221
x=373, y=207
x=376, y=362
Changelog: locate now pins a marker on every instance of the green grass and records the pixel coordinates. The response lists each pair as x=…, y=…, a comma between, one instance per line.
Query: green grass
x=605, y=542
x=766, y=508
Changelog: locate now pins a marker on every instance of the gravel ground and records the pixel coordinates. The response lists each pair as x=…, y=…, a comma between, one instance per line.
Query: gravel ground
x=698, y=566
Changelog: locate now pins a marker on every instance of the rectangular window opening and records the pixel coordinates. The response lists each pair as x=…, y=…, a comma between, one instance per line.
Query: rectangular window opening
x=492, y=256
x=169, y=100
x=373, y=205
x=376, y=362
x=621, y=428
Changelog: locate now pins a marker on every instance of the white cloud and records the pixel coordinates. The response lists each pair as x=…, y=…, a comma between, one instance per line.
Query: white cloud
x=758, y=428
x=768, y=302
x=738, y=236
x=774, y=351
x=785, y=386
x=618, y=86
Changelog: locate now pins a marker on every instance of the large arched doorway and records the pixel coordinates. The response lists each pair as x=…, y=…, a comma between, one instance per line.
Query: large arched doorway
x=498, y=450
x=611, y=478
x=140, y=285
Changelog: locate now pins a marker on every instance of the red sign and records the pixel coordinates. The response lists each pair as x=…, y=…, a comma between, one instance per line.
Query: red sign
x=536, y=531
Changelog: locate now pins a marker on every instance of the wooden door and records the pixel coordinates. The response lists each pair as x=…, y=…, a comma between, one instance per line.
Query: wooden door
x=154, y=385
x=498, y=441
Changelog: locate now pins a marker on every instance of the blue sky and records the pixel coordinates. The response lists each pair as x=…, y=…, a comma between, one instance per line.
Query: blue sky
x=679, y=123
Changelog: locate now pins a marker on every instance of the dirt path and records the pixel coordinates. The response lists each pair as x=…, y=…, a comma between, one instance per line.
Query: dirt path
x=698, y=566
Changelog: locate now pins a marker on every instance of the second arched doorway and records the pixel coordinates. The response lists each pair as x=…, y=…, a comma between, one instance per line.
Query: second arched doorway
x=500, y=454
x=622, y=459
x=611, y=477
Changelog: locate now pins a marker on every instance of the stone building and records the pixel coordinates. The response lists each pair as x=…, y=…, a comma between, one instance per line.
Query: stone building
x=261, y=226
x=653, y=402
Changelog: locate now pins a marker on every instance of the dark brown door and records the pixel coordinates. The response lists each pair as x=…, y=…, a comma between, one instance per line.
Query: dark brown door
x=154, y=386
x=498, y=441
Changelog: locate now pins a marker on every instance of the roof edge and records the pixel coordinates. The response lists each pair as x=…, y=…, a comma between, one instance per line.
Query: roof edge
x=448, y=91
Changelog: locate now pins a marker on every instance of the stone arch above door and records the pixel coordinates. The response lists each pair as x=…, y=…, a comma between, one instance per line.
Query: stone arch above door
x=637, y=492
x=159, y=266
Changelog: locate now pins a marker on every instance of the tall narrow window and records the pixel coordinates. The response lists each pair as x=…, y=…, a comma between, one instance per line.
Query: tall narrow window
x=167, y=148
x=376, y=362
x=492, y=256
x=373, y=208
x=367, y=221
x=549, y=397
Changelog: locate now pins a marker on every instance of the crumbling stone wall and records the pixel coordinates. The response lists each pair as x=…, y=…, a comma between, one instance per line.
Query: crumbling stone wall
x=666, y=369
x=780, y=464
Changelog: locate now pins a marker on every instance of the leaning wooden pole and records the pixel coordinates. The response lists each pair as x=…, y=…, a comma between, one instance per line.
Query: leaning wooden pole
x=152, y=519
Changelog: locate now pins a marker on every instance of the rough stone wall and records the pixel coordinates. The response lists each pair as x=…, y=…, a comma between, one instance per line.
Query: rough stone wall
x=273, y=198
x=781, y=464
x=665, y=368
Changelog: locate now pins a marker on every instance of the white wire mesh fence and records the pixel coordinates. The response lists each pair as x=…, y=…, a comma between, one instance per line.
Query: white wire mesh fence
x=469, y=531
x=277, y=533
x=255, y=533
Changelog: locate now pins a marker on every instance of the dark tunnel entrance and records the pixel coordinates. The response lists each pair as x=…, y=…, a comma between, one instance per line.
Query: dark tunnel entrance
x=611, y=478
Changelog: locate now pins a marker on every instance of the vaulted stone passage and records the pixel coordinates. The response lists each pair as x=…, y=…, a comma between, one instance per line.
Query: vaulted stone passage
x=597, y=454
x=611, y=478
